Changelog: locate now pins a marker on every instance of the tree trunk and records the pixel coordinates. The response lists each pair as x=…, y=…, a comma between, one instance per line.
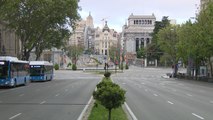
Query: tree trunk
x=211, y=67
x=109, y=117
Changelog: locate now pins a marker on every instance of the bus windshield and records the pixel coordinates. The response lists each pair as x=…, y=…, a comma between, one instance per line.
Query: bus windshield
x=34, y=71
x=3, y=69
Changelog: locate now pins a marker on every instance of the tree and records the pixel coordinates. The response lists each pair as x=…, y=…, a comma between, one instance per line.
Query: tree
x=74, y=52
x=167, y=39
x=110, y=95
x=35, y=20
x=205, y=26
x=114, y=53
x=153, y=50
x=141, y=53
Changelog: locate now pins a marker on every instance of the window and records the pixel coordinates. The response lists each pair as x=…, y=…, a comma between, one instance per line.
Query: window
x=139, y=22
x=142, y=21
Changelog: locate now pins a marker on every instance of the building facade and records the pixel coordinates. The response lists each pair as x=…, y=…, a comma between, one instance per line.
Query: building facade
x=137, y=34
x=104, y=39
x=9, y=42
x=84, y=34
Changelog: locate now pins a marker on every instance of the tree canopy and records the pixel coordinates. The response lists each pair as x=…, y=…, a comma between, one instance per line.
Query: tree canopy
x=40, y=24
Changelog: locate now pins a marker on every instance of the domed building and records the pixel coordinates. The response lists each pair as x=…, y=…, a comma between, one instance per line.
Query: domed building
x=104, y=39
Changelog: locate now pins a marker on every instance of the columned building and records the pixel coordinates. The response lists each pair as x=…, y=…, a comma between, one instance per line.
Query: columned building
x=137, y=34
x=104, y=39
x=9, y=42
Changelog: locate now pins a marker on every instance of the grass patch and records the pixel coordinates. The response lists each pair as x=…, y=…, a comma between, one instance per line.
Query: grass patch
x=100, y=113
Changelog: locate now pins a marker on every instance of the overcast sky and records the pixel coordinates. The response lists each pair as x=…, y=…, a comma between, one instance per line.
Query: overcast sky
x=117, y=11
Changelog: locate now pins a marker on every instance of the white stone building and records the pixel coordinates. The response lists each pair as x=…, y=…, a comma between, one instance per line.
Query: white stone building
x=137, y=34
x=9, y=42
x=104, y=39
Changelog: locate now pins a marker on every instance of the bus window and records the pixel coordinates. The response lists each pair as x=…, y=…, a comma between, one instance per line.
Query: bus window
x=3, y=71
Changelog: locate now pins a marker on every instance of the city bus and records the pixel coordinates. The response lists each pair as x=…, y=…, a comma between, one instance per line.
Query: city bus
x=41, y=71
x=13, y=72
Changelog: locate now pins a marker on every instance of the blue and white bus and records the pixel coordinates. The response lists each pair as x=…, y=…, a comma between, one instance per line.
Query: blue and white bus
x=13, y=72
x=41, y=71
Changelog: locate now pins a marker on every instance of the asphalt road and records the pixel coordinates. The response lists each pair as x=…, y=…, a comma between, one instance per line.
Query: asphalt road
x=64, y=98
x=152, y=97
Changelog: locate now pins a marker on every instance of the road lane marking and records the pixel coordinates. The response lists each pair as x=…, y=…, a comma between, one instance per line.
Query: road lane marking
x=85, y=108
x=189, y=95
x=15, y=116
x=43, y=102
x=130, y=112
x=21, y=95
x=143, y=83
x=155, y=95
x=170, y=102
x=198, y=116
x=57, y=95
x=123, y=83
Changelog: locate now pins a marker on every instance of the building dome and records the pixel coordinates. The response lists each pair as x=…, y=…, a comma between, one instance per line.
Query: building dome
x=89, y=21
x=106, y=28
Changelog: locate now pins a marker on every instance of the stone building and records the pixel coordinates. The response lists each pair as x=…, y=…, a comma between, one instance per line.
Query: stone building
x=9, y=42
x=84, y=34
x=137, y=34
x=104, y=39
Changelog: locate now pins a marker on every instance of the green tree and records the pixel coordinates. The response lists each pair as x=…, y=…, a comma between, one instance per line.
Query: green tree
x=141, y=53
x=167, y=39
x=110, y=95
x=35, y=20
x=205, y=34
x=74, y=52
x=153, y=50
x=114, y=53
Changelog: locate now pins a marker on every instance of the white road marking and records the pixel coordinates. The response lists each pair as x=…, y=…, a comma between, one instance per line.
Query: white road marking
x=155, y=95
x=57, y=95
x=130, y=112
x=170, y=102
x=189, y=95
x=198, y=116
x=123, y=83
x=21, y=95
x=15, y=116
x=43, y=102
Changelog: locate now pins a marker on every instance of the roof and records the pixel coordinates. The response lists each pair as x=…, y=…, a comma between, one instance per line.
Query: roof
x=142, y=16
x=12, y=59
x=40, y=63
